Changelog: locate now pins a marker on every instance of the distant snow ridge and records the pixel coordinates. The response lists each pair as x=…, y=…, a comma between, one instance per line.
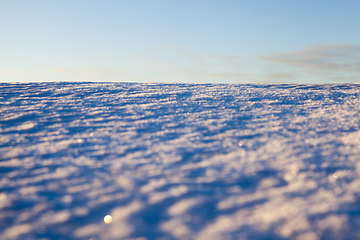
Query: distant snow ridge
x=179, y=161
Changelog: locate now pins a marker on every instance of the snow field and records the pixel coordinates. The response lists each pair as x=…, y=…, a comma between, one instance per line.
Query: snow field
x=179, y=161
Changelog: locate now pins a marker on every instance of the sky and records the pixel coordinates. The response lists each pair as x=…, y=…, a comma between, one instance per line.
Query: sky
x=189, y=41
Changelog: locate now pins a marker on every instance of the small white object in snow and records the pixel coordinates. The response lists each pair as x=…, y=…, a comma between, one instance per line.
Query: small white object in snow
x=107, y=219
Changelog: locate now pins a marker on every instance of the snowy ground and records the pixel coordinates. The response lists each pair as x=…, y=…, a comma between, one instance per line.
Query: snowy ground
x=179, y=161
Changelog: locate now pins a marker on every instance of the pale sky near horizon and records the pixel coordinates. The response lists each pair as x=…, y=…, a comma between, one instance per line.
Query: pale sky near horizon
x=197, y=41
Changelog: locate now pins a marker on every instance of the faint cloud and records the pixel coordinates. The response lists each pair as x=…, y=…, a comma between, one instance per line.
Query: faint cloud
x=61, y=70
x=204, y=57
x=226, y=75
x=226, y=68
x=86, y=73
x=9, y=73
x=102, y=72
x=279, y=76
x=228, y=59
x=321, y=58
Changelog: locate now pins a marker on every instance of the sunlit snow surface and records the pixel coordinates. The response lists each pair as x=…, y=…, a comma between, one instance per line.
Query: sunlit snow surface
x=179, y=161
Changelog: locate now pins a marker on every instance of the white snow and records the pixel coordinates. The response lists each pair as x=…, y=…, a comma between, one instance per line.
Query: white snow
x=179, y=161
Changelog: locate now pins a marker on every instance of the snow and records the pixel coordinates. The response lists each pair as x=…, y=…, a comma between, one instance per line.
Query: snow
x=179, y=161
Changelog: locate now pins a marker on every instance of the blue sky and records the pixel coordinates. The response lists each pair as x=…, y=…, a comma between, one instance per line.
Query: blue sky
x=257, y=41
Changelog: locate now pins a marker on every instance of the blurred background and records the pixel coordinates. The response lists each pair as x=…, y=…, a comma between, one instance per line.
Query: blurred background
x=197, y=41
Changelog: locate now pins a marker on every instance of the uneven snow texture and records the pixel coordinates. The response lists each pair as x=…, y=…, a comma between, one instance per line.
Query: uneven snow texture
x=179, y=161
